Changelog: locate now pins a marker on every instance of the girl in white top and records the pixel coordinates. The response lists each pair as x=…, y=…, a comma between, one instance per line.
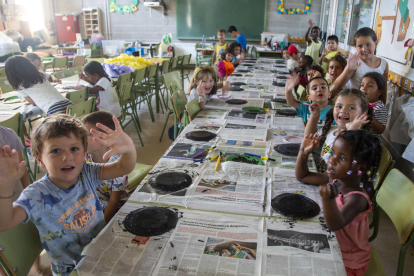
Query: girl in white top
x=94, y=73
x=31, y=84
x=203, y=85
x=362, y=62
x=350, y=112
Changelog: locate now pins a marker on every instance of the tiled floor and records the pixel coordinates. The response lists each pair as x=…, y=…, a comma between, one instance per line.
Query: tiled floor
x=386, y=244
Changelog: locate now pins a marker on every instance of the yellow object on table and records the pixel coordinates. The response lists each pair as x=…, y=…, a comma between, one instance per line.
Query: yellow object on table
x=135, y=62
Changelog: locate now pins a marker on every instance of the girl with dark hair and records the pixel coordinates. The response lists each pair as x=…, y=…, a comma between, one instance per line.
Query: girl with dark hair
x=336, y=66
x=225, y=68
x=352, y=167
x=31, y=84
x=107, y=98
x=351, y=111
x=373, y=86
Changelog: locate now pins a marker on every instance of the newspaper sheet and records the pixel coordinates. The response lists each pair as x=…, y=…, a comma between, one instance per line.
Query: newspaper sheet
x=244, y=131
x=213, y=126
x=244, y=94
x=298, y=248
x=279, y=106
x=289, y=162
x=210, y=114
x=185, y=149
x=256, y=87
x=288, y=120
x=117, y=252
x=281, y=184
x=251, y=118
x=235, y=188
x=267, y=96
x=286, y=133
x=221, y=104
x=146, y=193
x=213, y=244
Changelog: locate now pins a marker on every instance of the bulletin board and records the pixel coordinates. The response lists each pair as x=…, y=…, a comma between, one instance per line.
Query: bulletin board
x=394, y=26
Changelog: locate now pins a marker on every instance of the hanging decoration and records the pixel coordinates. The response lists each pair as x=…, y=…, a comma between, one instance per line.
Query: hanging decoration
x=114, y=7
x=282, y=10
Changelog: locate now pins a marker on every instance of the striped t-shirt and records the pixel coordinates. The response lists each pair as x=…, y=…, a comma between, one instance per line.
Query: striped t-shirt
x=381, y=115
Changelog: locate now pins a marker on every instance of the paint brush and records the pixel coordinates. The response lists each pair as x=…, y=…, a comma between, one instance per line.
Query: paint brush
x=203, y=152
x=261, y=157
x=218, y=162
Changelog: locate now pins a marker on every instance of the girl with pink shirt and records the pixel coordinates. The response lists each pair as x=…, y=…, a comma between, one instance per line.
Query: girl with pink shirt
x=351, y=169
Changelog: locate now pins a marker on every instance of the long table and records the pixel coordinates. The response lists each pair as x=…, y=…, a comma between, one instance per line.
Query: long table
x=226, y=224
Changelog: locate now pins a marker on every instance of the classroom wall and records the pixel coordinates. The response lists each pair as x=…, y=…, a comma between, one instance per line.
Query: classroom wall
x=140, y=25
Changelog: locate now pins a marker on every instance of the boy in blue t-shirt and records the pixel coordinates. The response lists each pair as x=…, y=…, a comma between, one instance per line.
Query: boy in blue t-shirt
x=240, y=38
x=318, y=94
x=63, y=204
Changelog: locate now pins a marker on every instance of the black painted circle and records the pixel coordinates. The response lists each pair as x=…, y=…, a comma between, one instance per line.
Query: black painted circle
x=237, y=83
x=288, y=149
x=200, y=135
x=279, y=100
x=295, y=206
x=282, y=77
x=236, y=101
x=286, y=112
x=150, y=221
x=170, y=181
x=237, y=75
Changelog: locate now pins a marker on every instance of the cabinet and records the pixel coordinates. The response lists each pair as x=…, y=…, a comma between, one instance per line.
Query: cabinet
x=93, y=21
x=66, y=27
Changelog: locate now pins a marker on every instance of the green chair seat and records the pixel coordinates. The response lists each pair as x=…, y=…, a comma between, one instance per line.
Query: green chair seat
x=137, y=175
x=78, y=96
x=192, y=108
x=375, y=265
x=5, y=86
x=81, y=109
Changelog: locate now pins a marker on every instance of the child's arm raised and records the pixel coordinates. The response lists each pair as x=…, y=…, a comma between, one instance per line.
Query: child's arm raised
x=310, y=22
x=312, y=125
x=337, y=219
x=346, y=75
x=310, y=142
x=120, y=144
x=11, y=170
x=290, y=85
x=322, y=58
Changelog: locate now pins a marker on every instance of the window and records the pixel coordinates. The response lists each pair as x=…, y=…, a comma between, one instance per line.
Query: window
x=342, y=19
x=362, y=16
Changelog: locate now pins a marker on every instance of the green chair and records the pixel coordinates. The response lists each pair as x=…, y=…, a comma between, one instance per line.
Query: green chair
x=122, y=79
x=140, y=91
x=137, y=175
x=192, y=108
x=126, y=102
x=375, y=266
x=59, y=63
x=395, y=197
x=172, y=78
x=16, y=123
x=96, y=50
x=81, y=109
x=3, y=73
x=76, y=69
x=5, y=86
x=186, y=65
x=63, y=74
x=78, y=96
x=164, y=69
x=385, y=166
x=179, y=101
x=20, y=247
x=173, y=64
x=202, y=59
x=154, y=86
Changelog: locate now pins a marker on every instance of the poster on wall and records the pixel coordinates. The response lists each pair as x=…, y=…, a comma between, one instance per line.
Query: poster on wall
x=394, y=26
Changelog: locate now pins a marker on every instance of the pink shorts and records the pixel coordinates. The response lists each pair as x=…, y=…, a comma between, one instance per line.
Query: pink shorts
x=356, y=272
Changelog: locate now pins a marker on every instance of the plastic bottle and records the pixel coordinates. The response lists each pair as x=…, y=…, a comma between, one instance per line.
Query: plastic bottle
x=137, y=45
x=81, y=47
x=29, y=49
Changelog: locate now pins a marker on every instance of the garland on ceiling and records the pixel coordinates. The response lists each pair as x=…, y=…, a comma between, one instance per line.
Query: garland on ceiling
x=282, y=10
x=114, y=7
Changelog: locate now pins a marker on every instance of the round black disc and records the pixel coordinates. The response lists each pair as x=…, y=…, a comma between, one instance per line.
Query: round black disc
x=275, y=83
x=236, y=88
x=279, y=65
x=150, y=221
x=279, y=100
x=286, y=112
x=200, y=135
x=170, y=181
x=282, y=77
x=236, y=101
x=243, y=71
x=288, y=149
x=237, y=75
x=295, y=205
x=237, y=83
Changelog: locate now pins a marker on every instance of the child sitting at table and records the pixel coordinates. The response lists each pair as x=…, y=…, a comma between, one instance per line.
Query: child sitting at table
x=107, y=98
x=225, y=67
x=203, y=85
x=63, y=202
x=286, y=53
x=220, y=46
x=111, y=193
x=292, y=63
x=37, y=62
x=345, y=201
x=238, y=55
x=304, y=63
x=313, y=42
x=314, y=71
x=336, y=66
x=318, y=92
x=329, y=52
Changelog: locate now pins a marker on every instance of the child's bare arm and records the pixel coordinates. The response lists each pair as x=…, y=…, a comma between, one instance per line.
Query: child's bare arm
x=302, y=172
x=112, y=206
x=337, y=219
x=312, y=125
x=95, y=89
x=25, y=177
x=29, y=100
x=377, y=126
x=310, y=22
x=290, y=85
x=346, y=75
x=11, y=170
x=120, y=144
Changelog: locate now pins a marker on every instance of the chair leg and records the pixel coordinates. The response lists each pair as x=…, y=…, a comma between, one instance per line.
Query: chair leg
x=135, y=114
x=148, y=100
x=165, y=124
x=401, y=258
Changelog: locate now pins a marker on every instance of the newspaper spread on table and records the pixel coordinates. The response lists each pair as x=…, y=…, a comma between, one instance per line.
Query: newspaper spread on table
x=210, y=114
x=240, y=115
x=298, y=248
x=241, y=130
x=221, y=104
